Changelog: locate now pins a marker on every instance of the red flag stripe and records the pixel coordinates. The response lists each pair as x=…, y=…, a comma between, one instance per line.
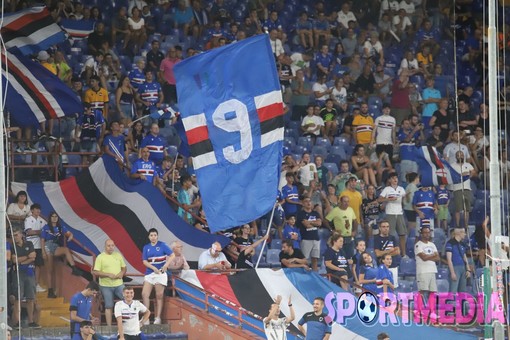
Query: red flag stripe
x=25, y=19
x=197, y=135
x=219, y=285
x=270, y=111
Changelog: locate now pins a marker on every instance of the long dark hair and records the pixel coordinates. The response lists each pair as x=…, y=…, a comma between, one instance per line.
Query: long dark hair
x=58, y=225
x=20, y=193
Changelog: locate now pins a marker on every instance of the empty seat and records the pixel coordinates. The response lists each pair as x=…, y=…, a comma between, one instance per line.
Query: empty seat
x=273, y=257
x=332, y=167
x=305, y=141
x=276, y=244
x=340, y=141
x=320, y=141
x=407, y=267
x=442, y=285
x=319, y=150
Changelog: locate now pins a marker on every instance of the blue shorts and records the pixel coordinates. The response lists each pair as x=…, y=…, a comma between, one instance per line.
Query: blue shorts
x=109, y=294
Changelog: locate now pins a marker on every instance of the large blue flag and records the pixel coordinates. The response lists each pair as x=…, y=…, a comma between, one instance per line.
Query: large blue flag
x=232, y=110
x=34, y=94
x=434, y=170
x=31, y=30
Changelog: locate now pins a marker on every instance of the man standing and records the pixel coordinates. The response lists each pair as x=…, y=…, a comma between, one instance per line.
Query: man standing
x=363, y=127
x=457, y=261
x=344, y=221
x=213, y=259
x=309, y=222
x=424, y=203
x=154, y=57
x=149, y=93
x=155, y=144
x=384, y=136
x=167, y=77
x=110, y=268
x=127, y=313
x=274, y=326
x=80, y=306
x=24, y=257
x=115, y=144
x=291, y=257
x=386, y=244
x=317, y=325
x=355, y=197
x=392, y=195
x=143, y=168
x=426, y=269
x=462, y=196
x=97, y=96
x=33, y=227
x=290, y=195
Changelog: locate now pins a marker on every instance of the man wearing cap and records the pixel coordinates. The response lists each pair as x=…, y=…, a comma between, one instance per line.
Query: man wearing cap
x=213, y=259
x=384, y=135
x=47, y=61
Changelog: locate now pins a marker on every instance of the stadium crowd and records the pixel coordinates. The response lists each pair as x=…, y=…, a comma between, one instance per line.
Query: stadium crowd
x=365, y=83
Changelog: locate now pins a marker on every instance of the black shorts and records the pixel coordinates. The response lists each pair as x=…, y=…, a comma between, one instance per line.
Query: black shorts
x=410, y=215
x=39, y=261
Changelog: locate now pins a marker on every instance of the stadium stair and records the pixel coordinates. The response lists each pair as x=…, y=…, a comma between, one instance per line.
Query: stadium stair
x=54, y=312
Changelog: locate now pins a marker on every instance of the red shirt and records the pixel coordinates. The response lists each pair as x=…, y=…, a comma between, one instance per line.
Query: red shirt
x=400, y=97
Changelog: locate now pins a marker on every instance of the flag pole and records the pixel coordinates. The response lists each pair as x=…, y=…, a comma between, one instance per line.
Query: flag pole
x=267, y=233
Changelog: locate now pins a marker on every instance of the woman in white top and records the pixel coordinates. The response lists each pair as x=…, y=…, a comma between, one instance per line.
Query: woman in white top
x=339, y=95
x=136, y=25
x=19, y=209
x=409, y=63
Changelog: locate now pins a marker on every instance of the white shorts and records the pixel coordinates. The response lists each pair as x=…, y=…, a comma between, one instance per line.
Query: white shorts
x=426, y=282
x=154, y=279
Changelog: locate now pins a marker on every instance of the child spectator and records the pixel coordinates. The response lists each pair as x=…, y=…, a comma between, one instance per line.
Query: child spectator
x=368, y=273
x=385, y=276
x=442, y=200
x=291, y=232
x=357, y=262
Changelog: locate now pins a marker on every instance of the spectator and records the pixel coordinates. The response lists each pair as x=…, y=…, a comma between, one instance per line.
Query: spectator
x=361, y=165
x=24, y=257
x=304, y=29
x=183, y=17
x=407, y=137
x=301, y=61
x=384, y=134
x=89, y=132
x=329, y=116
x=125, y=100
x=425, y=207
x=373, y=49
x=323, y=174
x=301, y=91
x=371, y=209
x=400, y=103
x=291, y=232
x=291, y=257
x=344, y=16
x=135, y=137
x=156, y=257
x=54, y=239
x=178, y=261
x=368, y=273
x=345, y=223
x=386, y=244
x=442, y=200
x=451, y=149
x=64, y=71
x=339, y=96
x=357, y=262
x=312, y=125
x=309, y=222
x=425, y=60
x=186, y=200
x=457, y=261
x=318, y=326
x=412, y=180
x=81, y=306
x=245, y=257
x=383, y=336
x=143, y=168
x=97, y=96
x=110, y=268
x=462, y=195
x=164, y=172
x=385, y=281
x=114, y=145
x=402, y=25
x=33, y=227
x=409, y=63
x=341, y=178
x=18, y=210
x=441, y=118
x=466, y=119
x=138, y=36
x=355, y=197
x=155, y=144
x=276, y=44
x=87, y=332
x=273, y=324
x=435, y=139
x=324, y=62
x=167, y=77
x=426, y=258
x=120, y=29
x=93, y=66
x=95, y=39
x=321, y=30
x=213, y=259
x=290, y=195
x=431, y=97
x=428, y=36
x=336, y=261
x=393, y=195
x=382, y=82
x=149, y=94
x=273, y=23
x=127, y=315
x=350, y=43
x=137, y=74
x=200, y=19
x=363, y=125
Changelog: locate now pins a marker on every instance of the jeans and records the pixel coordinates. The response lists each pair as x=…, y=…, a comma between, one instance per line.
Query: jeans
x=460, y=284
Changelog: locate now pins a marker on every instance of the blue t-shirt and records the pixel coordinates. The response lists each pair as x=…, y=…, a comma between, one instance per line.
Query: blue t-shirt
x=149, y=92
x=308, y=233
x=91, y=125
x=430, y=108
x=424, y=201
x=370, y=274
x=156, y=146
x=156, y=255
x=324, y=60
x=407, y=149
x=82, y=305
x=287, y=230
x=292, y=194
x=117, y=144
x=136, y=77
x=146, y=168
x=458, y=250
x=383, y=273
x=183, y=198
x=317, y=325
x=57, y=234
x=442, y=196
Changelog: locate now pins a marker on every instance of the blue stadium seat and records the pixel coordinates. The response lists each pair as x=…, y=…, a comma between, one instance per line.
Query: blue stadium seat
x=375, y=101
x=305, y=141
x=405, y=286
x=442, y=285
x=273, y=257
x=299, y=149
x=292, y=124
x=442, y=273
x=407, y=267
x=340, y=141
x=319, y=150
x=289, y=141
x=332, y=167
x=292, y=133
x=334, y=158
x=276, y=244
x=321, y=141
x=338, y=150
x=410, y=247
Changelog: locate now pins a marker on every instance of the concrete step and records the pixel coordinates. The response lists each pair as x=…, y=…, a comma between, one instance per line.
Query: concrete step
x=58, y=333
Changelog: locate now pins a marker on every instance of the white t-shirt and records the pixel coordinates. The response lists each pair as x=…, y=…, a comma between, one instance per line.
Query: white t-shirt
x=32, y=223
x=318, y=121
x=276, y=329
x=372, y=47
x=136, y=25
x=14, y=210
x=464, y=168
x=344, y=18
x=423, y=267
x=393, y=207
x=317, y=87
x=130, y=315
x=410, y=65
x=451, y=149
x=277, y=47
x=298, y=63
x=406, y=22
x=408, y=7
x=306, y=173
x=384, y=126
x=340, y=95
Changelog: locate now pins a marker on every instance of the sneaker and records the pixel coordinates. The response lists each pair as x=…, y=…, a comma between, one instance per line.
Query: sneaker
x=146, y=322
x=19, y=149
x=34, y=325
x=31, y=149
x=157, y=321
x=51, y=294
x=40, y=289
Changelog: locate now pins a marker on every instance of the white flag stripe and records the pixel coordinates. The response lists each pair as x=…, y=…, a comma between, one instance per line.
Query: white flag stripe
x=204, y=160
x=195, y=121
x=272, y=137
x=267, y=99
